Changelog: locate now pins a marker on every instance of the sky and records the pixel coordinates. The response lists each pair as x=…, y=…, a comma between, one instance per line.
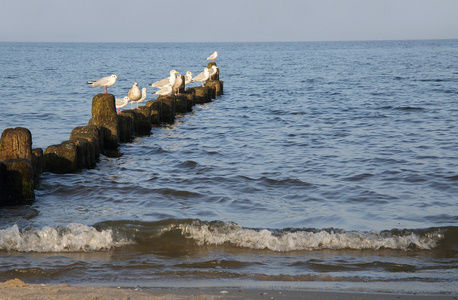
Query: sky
x=226, y=20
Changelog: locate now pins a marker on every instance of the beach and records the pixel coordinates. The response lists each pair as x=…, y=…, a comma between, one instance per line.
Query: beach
x=17, y=289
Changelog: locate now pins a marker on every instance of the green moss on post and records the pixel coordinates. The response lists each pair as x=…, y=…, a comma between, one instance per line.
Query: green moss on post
x=129, y=119
x=156, y=108
x=20, y=182
x=189, y=100
x=215, y=88
x=61, y=158
x=93, y=134
x=37, y=162
x=181, y=104
x=202, y=93
x=144, y=126
x=168, y=108
x=104, y=114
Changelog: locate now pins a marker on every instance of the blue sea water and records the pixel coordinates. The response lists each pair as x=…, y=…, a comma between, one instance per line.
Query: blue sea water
x=325, y=165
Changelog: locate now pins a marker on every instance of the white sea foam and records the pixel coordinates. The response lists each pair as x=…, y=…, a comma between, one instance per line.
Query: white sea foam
x=72, y=238
x=304, y=240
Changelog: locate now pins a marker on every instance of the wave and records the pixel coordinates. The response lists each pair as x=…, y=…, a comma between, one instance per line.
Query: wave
x=71, y=238
x=113, y=234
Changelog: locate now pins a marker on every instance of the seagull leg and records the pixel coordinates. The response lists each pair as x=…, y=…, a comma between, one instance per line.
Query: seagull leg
x=105, y=89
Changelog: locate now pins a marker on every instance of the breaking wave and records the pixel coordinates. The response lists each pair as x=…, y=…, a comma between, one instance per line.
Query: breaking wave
x=112, y=234
x=293, y=240
x=72, y=238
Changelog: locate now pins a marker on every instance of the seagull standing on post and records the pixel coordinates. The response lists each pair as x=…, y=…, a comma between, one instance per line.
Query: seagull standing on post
x=143, y=96
x=105, y=82
x=120, y=103
x=134, y=93
x=188, y=78
x=213, y=56
x=166, y=81
x=203, y=76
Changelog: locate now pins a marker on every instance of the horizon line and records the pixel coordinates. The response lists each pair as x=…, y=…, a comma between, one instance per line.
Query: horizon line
x=207, y=42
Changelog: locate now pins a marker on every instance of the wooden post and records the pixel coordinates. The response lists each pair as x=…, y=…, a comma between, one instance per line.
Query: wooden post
x=16, y=143
x=104, y=114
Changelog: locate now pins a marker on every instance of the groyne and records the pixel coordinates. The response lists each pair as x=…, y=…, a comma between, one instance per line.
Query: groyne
x=21, y=166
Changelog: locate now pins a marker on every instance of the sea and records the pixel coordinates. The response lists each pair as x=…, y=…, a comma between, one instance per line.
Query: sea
x=324, y=166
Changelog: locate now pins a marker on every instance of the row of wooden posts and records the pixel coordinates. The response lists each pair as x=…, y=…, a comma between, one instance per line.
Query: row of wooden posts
x=21, y=166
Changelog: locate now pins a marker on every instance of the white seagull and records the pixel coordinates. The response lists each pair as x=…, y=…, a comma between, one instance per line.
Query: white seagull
x=134, y=93
x=166, y=81
x=212, y=71
x=177, y=84
x=188, y=78
x=105, y=82
x=143, y=96
x=203, y=76
x=213, y=56
x=120, y=103
x=164, y=91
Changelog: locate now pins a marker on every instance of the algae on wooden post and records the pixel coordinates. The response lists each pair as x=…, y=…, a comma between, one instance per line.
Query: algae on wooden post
x=38, y=162
x=181, y=104
x=104, y=114
x=93, y=134
x=156, y=108
x=167, y=108
x=61, y=158
x=20, y=181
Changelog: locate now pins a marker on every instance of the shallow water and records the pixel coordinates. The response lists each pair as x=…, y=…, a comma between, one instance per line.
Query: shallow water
x=322, y=162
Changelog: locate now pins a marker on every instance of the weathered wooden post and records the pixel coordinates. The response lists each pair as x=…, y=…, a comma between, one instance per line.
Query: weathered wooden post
x=19, y=181
x=129, y=119
x=62, y=158
x=104, y=114
x=16, y=143
x=214, y=88
x=181, y=104
x=144, y=124
x=156, y=108
x=130, y=113
x=189, y=99
x=168, y=108
x=94, y=135
x=216, y=75
x=201, y=94
x=38, y=162
x=83, y=153
x=17, y=172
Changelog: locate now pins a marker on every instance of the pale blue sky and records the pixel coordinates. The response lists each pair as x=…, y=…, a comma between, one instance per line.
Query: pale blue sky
x=226, y=20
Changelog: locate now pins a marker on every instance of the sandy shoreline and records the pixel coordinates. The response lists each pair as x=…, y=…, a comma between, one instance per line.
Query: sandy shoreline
x=17, y=289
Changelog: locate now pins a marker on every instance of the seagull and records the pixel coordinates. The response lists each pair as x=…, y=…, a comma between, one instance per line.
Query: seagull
x=178, y=83
x=213, y=56
x=164, y=91
x=143, y=96
x=134, y=93
x=105, y=82
x=202, y=76
x=120, y=103
x=188, y=78
x=212, y=71
x=166, y=81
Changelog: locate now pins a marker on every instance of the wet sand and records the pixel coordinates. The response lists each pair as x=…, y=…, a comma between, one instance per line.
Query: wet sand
x=17, y=289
